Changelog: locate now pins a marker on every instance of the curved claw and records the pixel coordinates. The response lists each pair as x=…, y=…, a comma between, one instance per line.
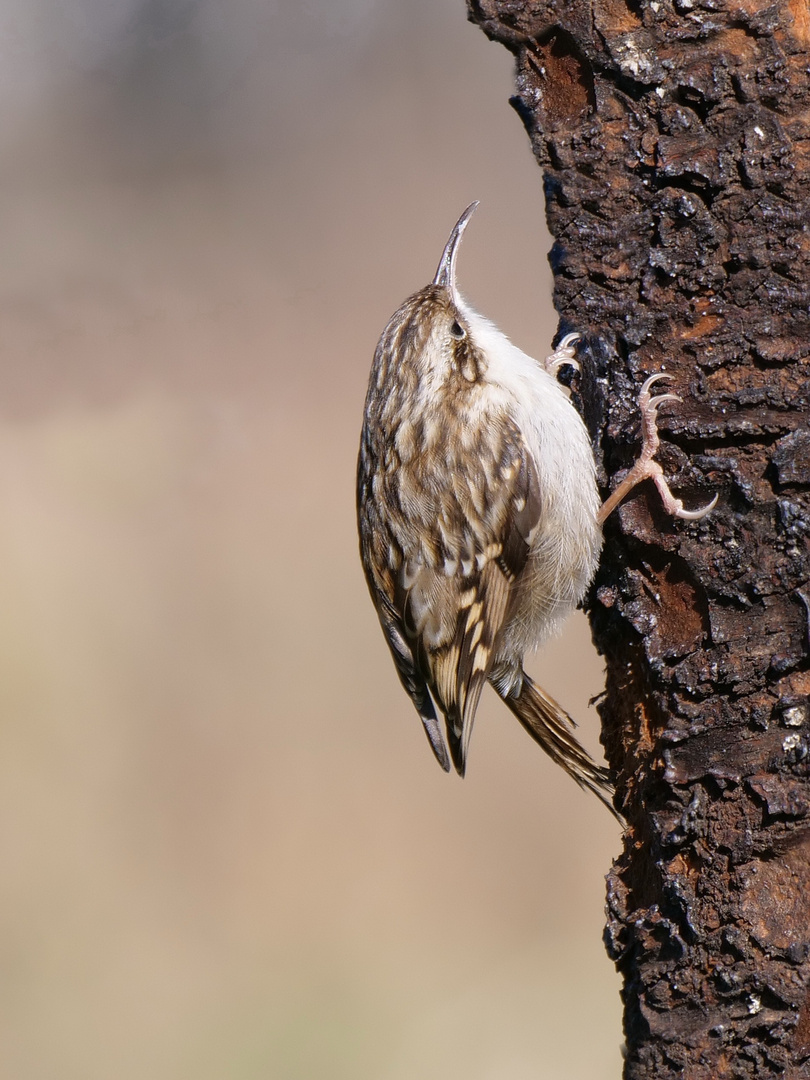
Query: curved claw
x=654, y=402
x=648, y=382
x=563, y=354
x=696, y=515
x=648, y=404
x=568, y=341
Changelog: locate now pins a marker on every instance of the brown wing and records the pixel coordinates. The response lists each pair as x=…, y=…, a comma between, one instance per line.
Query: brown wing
x=444, y=538
x=459, y=671
x=380, y=557
x=453, y=615
x=413, y=680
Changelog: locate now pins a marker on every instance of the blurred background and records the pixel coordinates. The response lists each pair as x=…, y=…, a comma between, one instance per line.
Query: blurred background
x=227, y=851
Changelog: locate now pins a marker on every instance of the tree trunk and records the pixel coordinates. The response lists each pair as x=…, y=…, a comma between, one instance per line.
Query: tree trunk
x=675, y=137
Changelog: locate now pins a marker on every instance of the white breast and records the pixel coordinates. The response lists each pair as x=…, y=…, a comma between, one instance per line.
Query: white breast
x=567, y=541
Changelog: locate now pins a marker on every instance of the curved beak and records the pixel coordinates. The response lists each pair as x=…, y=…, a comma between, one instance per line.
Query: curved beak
x=446, y=273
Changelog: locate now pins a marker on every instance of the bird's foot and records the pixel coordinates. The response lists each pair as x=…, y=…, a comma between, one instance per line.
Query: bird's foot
x=565, y=353
x=645, y=467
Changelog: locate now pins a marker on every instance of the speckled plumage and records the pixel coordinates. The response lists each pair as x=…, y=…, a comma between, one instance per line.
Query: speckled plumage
x=478, y=516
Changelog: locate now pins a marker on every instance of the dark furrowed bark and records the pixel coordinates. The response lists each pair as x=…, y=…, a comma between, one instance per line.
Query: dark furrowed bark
x=675, y=139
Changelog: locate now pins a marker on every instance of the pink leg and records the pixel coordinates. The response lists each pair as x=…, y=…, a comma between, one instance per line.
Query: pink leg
x=645, y=468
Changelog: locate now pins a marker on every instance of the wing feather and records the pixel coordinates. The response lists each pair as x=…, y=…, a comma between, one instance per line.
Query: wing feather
x=443, y=569
x=413, y=679
x=455, y=612
x=459, y=672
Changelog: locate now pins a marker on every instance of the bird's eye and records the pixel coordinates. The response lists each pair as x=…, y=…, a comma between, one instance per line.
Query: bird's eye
x=457, y=330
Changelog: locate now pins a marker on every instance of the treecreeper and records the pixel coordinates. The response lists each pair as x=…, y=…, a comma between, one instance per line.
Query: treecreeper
x=479, y=515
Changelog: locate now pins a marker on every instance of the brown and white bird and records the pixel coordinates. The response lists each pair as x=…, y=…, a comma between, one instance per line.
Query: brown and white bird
x=479, y=514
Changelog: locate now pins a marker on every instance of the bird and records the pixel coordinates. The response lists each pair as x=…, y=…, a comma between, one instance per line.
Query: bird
x=479, y=515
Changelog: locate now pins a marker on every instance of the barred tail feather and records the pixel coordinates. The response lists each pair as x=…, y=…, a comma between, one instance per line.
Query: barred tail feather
x=551, y=726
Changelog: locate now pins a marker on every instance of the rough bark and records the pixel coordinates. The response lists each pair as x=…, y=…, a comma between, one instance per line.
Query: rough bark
x=675, y=139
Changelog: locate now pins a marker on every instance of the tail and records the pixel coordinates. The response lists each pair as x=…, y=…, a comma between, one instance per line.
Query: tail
x=551, y=726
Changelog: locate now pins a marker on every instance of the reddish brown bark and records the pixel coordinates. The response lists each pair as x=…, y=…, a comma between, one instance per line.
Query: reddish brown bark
x=675, y=139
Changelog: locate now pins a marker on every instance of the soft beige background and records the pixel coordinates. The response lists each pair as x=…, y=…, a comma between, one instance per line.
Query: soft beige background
x=226, y=850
